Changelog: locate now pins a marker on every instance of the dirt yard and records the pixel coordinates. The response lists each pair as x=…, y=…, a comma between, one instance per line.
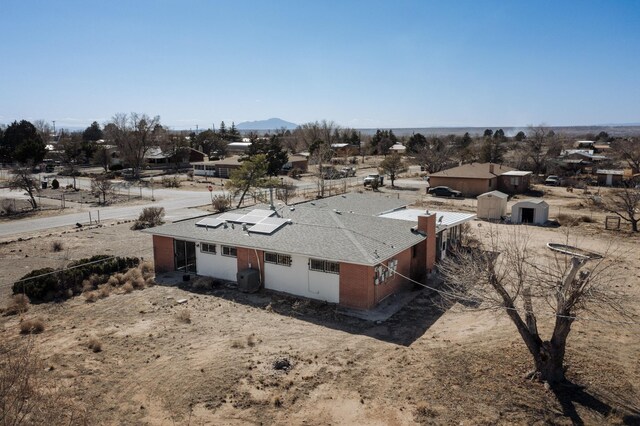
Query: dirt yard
x=223, y=357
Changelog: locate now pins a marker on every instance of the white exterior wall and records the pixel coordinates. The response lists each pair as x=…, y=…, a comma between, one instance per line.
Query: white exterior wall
x=297, y=279
x=216, y=265
x=492, y=207
x=540, y=212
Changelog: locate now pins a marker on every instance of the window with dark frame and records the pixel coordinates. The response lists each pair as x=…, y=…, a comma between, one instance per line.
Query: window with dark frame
x=277, y=258
x=229, y=251
x=327, y=266
x=208, y=248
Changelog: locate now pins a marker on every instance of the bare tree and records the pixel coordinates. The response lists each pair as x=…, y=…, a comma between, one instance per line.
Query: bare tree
x=22, y=178
x=101, y=186
x=629, y=151
x=134, y=134
x=28, y=396
x=434, y=155
x=393, y=165
x=536, y=147
x=623, y=202
x=101, y=157
x=505, y=274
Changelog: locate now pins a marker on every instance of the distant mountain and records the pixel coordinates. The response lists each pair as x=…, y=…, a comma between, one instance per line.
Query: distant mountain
x=270, y=124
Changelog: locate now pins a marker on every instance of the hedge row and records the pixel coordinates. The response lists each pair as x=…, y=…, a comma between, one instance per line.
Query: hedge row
x=48, y=284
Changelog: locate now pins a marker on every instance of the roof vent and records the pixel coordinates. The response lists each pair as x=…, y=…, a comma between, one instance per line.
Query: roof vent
x=292, y=209
x=244, y=226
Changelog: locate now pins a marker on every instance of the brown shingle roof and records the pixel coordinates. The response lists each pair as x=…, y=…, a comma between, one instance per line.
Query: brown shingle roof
x=474, y=171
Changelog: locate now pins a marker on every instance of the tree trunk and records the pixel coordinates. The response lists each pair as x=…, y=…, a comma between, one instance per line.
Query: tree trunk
x=550, y=362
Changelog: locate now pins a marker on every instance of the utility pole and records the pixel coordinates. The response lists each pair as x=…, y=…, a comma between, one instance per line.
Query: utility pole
x=54, y=127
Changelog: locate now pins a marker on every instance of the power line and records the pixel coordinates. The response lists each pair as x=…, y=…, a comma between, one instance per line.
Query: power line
x=519, y=310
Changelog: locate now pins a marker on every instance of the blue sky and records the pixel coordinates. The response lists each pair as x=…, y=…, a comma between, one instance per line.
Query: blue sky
x=359, y=63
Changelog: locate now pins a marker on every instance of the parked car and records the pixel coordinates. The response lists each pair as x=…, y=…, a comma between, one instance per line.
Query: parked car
x=373, y=178
x=552, y=180
x=444, y=191
x=347, y=171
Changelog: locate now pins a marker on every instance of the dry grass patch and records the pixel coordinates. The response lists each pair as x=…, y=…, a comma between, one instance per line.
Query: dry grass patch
x=237, y=344
x=31, y=326
x=94, y=344
x=185, y=316
x=57, y=246
x=146, y=269
x=104, y=290
x=90, y=296
x=127, y=288
x=18, y=304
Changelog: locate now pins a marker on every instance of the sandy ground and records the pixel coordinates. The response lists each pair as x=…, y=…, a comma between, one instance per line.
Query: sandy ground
x=422, y=366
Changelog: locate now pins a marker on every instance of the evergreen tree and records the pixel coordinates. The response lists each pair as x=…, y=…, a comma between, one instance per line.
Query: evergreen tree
x=272, y=150
x=92, y=133
x=22, y=143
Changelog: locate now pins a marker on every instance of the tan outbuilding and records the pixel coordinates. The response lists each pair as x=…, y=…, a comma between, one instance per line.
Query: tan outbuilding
x=492, y=205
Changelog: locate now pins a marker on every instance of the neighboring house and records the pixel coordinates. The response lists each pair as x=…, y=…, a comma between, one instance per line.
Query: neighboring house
x=299, y=162
x=534, y=211
x=583, y=144
x=610, y=177
x=339, y=249
x=477, y=178
x=345, y=149
x=220, y=168
x=399, y=148
x=156, y=157
x=234, y=148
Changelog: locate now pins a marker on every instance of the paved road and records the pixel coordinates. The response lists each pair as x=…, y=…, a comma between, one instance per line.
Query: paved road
x=177, y=204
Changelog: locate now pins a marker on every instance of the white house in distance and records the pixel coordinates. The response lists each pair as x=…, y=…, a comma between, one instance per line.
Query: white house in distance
x=492, y=205
x=534, y=211
x=342, y=249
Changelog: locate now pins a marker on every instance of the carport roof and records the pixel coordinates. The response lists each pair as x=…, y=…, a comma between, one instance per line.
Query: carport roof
x=444, y=220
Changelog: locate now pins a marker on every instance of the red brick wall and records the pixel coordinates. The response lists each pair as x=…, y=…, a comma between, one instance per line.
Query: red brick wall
x=396, y=282
x=427, y=224
x=248, y=256
x=470, y=187
x=504, y=184
x=163, y=254
x=356, y=286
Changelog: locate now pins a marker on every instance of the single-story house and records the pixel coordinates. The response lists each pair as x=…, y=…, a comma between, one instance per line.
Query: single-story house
x=220, y=168
x=339, y=249
x=477, y=178
x=237, y=147
x=534, y=211
x=155, y=156
x=492, y=205
x=345, y=149
x=610, y=177
x=299, y=162
x=398, y=148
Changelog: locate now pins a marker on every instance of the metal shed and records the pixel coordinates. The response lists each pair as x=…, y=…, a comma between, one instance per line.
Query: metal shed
x=530, y=211
x=492, y=205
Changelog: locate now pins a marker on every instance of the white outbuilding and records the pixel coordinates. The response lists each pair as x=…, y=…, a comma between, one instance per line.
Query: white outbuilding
x=492, y=205
x=530, y=211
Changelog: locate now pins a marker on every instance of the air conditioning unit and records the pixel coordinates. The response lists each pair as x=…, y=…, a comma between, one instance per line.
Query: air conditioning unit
x=248, y=280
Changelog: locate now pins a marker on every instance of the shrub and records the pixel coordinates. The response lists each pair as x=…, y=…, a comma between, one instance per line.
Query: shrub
x=221, y=203
x=114, y=281
x=149, y=217
x=57, y=246
x=8, y=207
x=94, y=344
x=87, y=286
x=127, y=288
x=202, y=283
x=146, y=268
x=185, y=316
x=115, y=167
x=171, y=182
x=47, y=283
x=18, y=304
x=104, y=290
x=55, y=184
x=190, y=174
x=32, y=326
x=138, y=283
x=90, y=296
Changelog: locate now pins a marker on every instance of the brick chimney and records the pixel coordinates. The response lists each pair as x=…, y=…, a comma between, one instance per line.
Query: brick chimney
x=427, y=224
x=491, y=168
